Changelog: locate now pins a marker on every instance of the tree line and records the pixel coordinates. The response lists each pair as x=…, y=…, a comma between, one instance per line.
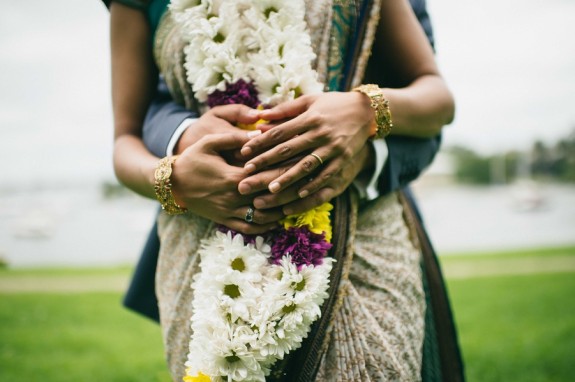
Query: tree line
x=542, y=162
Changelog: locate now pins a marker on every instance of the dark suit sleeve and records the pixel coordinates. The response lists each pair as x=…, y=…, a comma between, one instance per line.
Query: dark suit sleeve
x=420, y=10
x=408, y=156
x=163, y=118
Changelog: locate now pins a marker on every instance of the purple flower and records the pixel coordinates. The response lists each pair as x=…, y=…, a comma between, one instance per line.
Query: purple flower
x=241, y=92
x=304, y=246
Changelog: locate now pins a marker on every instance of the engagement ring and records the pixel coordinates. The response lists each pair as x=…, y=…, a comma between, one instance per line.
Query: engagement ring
x=249, y=218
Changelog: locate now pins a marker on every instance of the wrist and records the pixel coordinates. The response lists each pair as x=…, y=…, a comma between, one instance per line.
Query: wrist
x=184, y=137
x=163, y=186
x=381, y=123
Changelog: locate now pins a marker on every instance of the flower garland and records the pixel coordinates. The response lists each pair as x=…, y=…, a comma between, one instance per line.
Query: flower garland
x=255, y=297
x=259, y=51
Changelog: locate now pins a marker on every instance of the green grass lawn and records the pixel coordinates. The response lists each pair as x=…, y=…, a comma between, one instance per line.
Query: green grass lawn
x=78, y=338
x=516, y=328
x=511, y=328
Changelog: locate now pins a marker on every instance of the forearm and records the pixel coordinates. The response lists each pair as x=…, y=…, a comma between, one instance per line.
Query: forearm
x=403, y=65
x=134, y=165
x=422, y=108
x=133, y=75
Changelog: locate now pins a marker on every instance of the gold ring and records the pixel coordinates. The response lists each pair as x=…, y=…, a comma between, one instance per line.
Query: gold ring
x=317, y=157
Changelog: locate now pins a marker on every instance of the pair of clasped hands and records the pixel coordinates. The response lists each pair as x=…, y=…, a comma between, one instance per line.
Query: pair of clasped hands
x=222, y=170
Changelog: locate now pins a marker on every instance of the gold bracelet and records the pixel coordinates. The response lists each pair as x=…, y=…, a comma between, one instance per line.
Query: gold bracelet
x=380, y=105
x=163, y=186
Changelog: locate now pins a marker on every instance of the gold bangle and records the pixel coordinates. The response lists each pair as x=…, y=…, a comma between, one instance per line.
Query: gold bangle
x=163, y=187
x=383, y=122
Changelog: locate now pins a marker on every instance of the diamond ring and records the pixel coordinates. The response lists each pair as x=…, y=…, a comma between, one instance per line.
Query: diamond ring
x=249, y=218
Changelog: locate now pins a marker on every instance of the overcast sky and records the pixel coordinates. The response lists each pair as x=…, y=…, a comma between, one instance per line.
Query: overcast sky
x=510, y=63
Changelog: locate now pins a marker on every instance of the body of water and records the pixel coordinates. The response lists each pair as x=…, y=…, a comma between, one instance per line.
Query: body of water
x=470, y=219
x=76, y=226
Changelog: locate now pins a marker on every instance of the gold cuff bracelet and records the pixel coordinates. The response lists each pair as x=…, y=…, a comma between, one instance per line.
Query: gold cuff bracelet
x=383, y=122
x=163, y=187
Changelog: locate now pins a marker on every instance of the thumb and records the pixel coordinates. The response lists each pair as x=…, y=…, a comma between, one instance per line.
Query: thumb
x=236, y=113
x=286, y=110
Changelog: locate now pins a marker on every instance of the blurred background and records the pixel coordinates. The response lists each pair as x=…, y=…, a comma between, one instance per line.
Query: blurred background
x=499, y=201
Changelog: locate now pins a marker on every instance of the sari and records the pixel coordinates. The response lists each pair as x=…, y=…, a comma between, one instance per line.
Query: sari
x=388, y=307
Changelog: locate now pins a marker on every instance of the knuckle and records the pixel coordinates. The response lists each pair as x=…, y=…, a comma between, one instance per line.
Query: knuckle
x=206, y=140
x=315, y=117
x=308, y=164
x=313, y=186
x=339, y=146
x=260, y=162
x=318, y=198
x=230, y=181
x=347, y=154
x=285, y=150
x=327, y=175
x=276, y=134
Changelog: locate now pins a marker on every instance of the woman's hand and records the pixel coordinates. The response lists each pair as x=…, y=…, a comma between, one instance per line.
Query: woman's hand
x=289, y=199
x=206, y=185
x=332, y=126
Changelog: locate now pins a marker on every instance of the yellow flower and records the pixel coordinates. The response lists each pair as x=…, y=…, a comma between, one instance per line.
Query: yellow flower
x=198, y=378
x=316, y=219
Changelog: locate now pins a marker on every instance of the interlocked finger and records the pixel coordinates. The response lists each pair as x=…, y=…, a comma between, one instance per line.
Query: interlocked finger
x=260, y=181
x=324, y=178
x=296, y=146
x=288, y=195
x=305, y=168
x=297, y=123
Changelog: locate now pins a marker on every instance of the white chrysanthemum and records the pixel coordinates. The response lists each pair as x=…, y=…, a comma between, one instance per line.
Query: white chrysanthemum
x=247, y=314
x=232, y=40
x=232, y=358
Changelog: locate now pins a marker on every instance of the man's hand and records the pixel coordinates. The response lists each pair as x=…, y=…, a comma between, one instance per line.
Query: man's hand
x=218, y=120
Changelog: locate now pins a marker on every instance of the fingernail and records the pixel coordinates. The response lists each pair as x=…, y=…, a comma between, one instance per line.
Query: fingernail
x=246, y=151
x=287, y=211
x=253, y=113
x=253, y=133
x=244, y=188
x=259, y=204
x=303, y=193
x=250, y=167
x=274, y=187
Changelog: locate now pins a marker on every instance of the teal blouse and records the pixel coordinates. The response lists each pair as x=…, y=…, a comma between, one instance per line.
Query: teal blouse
x=154, y=9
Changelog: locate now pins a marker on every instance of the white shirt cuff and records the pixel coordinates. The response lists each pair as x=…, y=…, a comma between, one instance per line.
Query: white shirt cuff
x=370, y=191
x=177, y=134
